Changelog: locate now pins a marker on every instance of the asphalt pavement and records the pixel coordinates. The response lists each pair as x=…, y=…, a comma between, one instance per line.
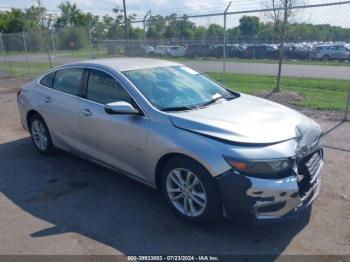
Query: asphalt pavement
x=290, y=70
x=66, y=205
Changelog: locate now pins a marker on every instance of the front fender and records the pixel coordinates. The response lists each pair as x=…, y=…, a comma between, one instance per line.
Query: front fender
x=165, y=139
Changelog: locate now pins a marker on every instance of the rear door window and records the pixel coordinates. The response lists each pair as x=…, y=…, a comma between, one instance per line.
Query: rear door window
x=68, y=81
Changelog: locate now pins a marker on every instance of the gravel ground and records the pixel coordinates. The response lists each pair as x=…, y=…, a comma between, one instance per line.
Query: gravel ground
x=292, y=98
x=66, y=205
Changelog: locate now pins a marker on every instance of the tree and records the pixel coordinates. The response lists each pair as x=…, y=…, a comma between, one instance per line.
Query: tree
x=178, y=28
x=35, y=17
x=249, y=25
x=70, y=19
x=171, y=30
x=12, y=21
x=266, y=32
x=156, y=27
x=16, y=20
x=73, y=38
x=282, y=13
x=136, y=33
x=185, y=27
x=72, y=16
x=199, y=33
x=115, y=26
x=215, y=32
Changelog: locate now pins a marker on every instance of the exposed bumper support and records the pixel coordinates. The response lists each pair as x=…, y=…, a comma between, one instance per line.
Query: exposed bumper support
x=266, y=200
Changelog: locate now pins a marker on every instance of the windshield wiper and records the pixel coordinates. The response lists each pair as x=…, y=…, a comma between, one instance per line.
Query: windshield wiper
x=217, y=97
x=178, y=108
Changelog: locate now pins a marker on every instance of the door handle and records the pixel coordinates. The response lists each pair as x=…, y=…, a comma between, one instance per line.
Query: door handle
x=47, y=99
x=87, y=112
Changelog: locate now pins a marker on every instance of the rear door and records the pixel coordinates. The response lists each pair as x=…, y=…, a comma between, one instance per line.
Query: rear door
x=116, y=140
x=60, y=104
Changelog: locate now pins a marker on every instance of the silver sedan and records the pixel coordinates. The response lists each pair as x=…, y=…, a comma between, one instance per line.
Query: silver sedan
x=210, y=150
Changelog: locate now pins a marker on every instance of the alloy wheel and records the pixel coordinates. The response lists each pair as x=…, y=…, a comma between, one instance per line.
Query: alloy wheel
x=39, y=135
x=186, y=192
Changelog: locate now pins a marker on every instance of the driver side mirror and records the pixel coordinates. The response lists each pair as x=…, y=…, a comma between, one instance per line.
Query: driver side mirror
x=121, y=108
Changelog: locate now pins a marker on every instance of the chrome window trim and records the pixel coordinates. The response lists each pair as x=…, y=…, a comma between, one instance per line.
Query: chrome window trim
x=55, y=71
x=44, y=75
x=84, y=68
x=51, y=88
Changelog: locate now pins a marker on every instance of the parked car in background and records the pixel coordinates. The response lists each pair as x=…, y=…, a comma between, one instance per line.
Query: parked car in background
x=232, y=51
x=261, y=51
x=297, y=52
x=204, y=50
x=149, y=50
x=330, y=52
x=211, y=151
x=135, y=49
x=176, y=51
x=160, y=50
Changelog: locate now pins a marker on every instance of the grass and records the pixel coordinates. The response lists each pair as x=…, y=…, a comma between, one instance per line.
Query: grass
x=87, y=53
x=291, y=62
x=84, y=53
x=264, y=61
x=20, y=69
x=317, y=93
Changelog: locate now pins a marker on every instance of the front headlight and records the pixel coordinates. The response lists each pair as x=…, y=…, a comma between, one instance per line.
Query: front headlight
x=261, y=168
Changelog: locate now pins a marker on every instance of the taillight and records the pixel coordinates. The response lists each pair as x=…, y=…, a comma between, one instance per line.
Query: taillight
x=19, y=92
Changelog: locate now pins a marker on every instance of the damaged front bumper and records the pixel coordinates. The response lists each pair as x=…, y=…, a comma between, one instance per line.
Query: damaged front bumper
x=259, y=200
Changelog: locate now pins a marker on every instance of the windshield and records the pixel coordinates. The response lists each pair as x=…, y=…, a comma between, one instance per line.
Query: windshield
x=176, y=87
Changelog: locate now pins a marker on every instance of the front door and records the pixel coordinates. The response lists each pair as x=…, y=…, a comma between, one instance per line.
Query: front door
x=117, y=140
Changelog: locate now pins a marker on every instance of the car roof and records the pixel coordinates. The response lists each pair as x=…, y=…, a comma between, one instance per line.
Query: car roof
x=126, y=63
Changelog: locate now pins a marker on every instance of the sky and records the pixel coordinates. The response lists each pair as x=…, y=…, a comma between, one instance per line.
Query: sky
x=336, y=15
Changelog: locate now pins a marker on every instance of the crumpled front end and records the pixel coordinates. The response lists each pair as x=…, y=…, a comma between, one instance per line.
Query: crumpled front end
x=260, y=200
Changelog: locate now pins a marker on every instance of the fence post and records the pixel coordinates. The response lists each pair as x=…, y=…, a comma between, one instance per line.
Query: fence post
x=48, y=54
x=4, y=55
x=347, y=106
x=26, y=54
x=282, y=36
x=90, y=41
x=144, y=26
x=53, y=44
x=224, y=46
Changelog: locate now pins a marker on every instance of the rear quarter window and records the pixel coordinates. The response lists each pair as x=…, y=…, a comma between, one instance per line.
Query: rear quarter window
x=48, y=80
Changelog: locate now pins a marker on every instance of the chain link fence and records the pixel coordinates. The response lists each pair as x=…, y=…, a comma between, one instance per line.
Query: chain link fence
x=241, y=48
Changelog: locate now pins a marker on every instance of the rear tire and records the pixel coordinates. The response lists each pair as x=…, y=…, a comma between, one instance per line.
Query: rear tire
x=40, y=135
x=190, y=190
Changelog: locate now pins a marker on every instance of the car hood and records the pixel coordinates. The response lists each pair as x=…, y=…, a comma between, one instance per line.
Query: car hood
x=248, y=119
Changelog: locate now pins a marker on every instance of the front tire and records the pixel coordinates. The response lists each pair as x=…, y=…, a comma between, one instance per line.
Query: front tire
x=40, y=135
x=191, y=191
